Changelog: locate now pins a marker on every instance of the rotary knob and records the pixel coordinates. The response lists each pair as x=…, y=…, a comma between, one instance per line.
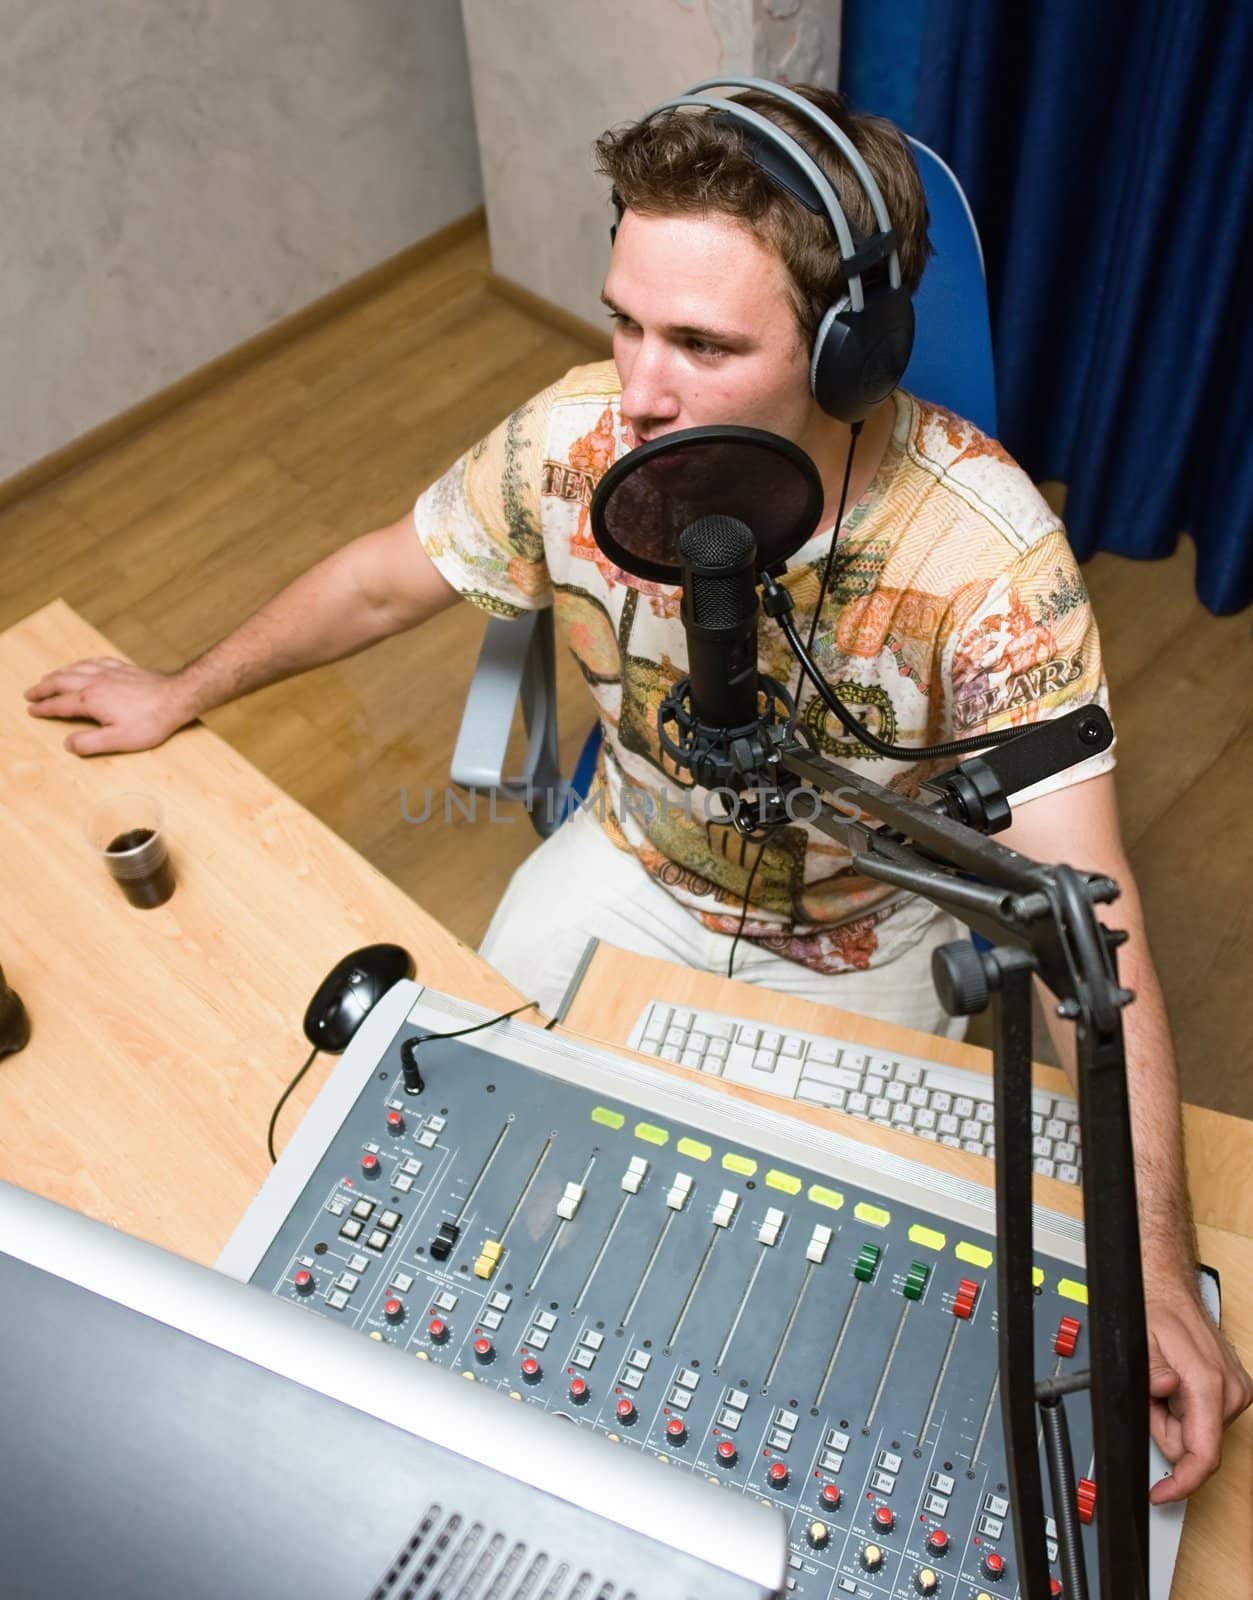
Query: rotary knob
x=437, y=1328
x=871, y=1557
x=937, y=1542
x=395, y=1122
x=777, y=1475
x=884, y=1519
x=993, y=1565
x=926, y=1581
x=829, y=1494
x=393, y=1310
x=484, y=1350
x=532, y=1372
x=370, y=1164
x=625, y=1411
x=726, y=1452
x=818, y=1535
x=303, y=1281
x=579, y=1390
x=676, y=1430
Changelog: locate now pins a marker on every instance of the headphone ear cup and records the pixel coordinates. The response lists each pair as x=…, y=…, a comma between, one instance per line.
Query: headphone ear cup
x=859, y=357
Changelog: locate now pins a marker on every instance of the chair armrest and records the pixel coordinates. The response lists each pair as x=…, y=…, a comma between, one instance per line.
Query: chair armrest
x=517, y=662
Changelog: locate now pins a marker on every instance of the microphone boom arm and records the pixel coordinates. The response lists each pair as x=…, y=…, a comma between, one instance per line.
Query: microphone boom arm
x=1044, y=920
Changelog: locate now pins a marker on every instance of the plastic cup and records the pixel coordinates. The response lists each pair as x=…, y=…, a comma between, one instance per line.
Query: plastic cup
x=127, y=833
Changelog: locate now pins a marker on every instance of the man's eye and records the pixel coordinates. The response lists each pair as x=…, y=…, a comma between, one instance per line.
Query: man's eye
x=699, y=347
x=621, y=320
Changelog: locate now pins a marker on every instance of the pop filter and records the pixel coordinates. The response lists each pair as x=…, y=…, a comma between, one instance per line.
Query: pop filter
x=644, y=501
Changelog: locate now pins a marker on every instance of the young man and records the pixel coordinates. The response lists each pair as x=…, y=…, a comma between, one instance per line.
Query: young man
x=954, y=606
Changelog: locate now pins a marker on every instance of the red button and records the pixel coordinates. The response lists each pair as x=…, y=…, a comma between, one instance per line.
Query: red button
x=993, y=1565
x=727, y=1453
x=1067, y=1336
x=303, y=1281
x=395, y=1122
x=370, y=1164
x=438, y=1329
x=884, y=1519
x=1085, y=1494
x=937, y=1541
x=578, y=1390
x=830, y=1496
x=483, y=1349
x=393, y=1310
x=676, y=1430
x=531, y=1369
x=778, y=1474
x=626, y=1410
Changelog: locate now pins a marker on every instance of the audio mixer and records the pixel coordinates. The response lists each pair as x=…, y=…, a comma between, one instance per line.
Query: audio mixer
x=726, y=1289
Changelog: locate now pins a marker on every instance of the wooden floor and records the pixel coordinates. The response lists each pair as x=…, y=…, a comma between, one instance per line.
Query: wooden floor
x=171, y=537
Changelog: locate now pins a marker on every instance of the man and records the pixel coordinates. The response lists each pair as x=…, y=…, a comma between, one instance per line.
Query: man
x=955, y=606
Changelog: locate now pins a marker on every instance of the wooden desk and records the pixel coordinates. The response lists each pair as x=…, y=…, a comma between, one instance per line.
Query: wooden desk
x=163, y=1038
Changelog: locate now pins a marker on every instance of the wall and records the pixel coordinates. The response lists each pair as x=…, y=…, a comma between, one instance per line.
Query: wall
x=548, y=78
x=180, y=174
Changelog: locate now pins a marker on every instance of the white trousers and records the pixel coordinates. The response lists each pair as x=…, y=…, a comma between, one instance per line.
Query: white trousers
x=578, y=886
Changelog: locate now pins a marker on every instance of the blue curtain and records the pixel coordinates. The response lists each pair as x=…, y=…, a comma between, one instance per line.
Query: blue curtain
x=1107, y=151
x=1108, y=156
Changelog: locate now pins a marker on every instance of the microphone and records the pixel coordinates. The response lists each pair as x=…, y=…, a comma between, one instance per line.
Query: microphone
x=717, y=558
x=714, y=724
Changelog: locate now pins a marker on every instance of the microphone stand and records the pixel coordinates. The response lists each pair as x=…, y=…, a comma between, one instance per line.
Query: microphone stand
x=1042, y=920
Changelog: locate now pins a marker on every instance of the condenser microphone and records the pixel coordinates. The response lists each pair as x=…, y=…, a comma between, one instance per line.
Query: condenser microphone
x=717, y=559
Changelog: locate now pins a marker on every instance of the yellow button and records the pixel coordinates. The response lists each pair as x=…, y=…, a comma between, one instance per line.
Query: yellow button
x=782, y=1180
x=876, y=1216
x=696, y=1148
x=931, y=1238
x=822, y=1196
x=651, y=1134
x=1070, y=1290
x=744, y=1165
x=974, y=1255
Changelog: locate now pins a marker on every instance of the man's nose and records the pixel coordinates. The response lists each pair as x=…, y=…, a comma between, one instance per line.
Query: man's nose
x=648, y=392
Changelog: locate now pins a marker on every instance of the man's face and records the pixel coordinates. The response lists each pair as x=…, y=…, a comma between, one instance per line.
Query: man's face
x=704, y=331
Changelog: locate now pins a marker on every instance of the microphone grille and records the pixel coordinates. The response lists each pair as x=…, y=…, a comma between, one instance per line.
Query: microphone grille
x=716, y=541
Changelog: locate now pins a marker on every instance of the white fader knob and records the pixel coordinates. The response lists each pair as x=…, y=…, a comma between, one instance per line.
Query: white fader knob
x=569, y=1202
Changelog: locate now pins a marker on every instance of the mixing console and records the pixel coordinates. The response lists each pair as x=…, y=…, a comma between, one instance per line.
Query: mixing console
x=796, y=1315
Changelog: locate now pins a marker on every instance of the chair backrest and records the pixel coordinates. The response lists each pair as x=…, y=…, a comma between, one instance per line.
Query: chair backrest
x=952, y=357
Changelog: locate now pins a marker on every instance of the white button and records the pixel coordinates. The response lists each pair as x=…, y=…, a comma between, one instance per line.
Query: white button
x=491, y=1319
x=583, y=1358
x=837, y=1441
x=737, y=1398
x=687, y=1377
x=538, y=1338
x=499, y=1301
x=640, y=1359
x=592, y=1339
x=545, y=1320
x=680, y=1398
x=730, y=1420
x=631, y=1378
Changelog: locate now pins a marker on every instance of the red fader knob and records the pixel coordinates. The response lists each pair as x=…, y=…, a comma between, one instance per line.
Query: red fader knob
x=1067, y=1336
x=1085, y=1494
x=964, y=1299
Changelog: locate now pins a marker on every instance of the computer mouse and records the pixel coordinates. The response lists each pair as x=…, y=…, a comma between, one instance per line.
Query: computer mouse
x=350, y=991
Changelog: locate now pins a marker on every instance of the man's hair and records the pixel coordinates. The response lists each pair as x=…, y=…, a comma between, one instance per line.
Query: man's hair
x=686, y=162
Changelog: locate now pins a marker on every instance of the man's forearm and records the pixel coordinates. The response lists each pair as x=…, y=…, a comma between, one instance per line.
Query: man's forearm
x=1167, y=1240
x=321, y=616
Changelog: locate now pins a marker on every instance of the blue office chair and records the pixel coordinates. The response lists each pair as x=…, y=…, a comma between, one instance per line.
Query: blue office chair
x=951, y=365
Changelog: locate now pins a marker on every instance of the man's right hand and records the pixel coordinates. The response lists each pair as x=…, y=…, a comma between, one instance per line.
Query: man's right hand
x=134, y=709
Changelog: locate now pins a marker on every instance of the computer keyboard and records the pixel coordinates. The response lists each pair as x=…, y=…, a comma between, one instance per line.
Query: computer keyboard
x=947, y=1105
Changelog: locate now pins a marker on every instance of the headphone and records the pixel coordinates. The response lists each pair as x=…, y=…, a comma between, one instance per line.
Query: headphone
x=864, y=340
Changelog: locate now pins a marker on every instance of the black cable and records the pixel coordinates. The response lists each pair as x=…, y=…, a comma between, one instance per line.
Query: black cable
x=283, y=1098
x=853, y=432
x=269, y=1137
x=748, y=889
x=459, y=1033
